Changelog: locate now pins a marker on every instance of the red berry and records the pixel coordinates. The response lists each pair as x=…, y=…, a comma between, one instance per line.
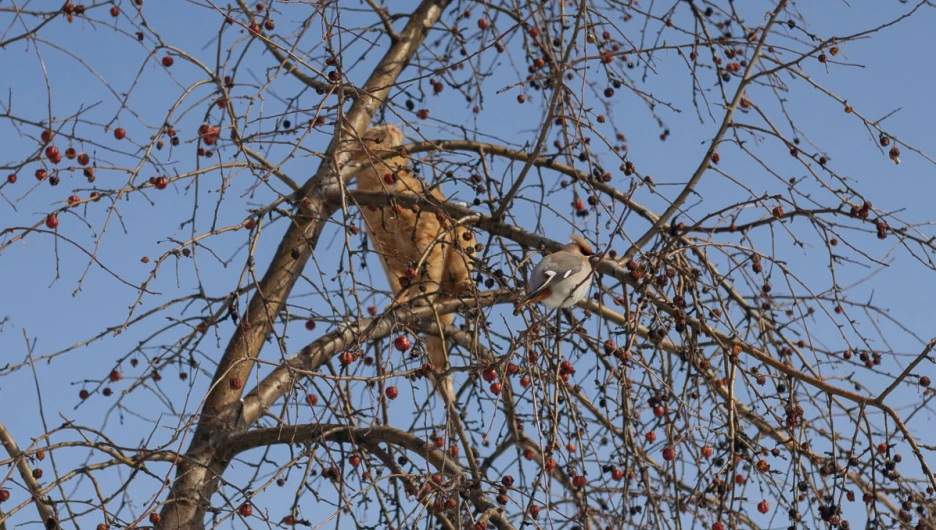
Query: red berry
x=483, y=24
x=707, y=451
x=617, y=474
x=249, y=225
x=310, y=325
x=83, y=394
x=51, y=152
x=4, y=495
x=489, y=374
x=115, y=376
x=525, y=381
x=254, y=28
x=530, y=455
x=739, y=478
x=245, y=510
x=115, y=12
x=269, y=25
x=763, y=506
x=718, y=526
x=578, y=204
x=882, y=448
x=84, y=159
x=392, y=392
x=550, y=463
x=422, y=114
x=70, y=153
x=11, y=179
x=168, y=61
x=669, y=454
x=579, y=481
x=402, y=343
x=311, y=399
x=659, y=411
x=52, y=221
x=651, y=437
x=154, y=517
x=120, y=133
x=496, y=388
x=41, y=174
x=346, y=358
x=46, y=136
x=354, y=460
x=533, y=32
x=566, y=367
x=161, y=183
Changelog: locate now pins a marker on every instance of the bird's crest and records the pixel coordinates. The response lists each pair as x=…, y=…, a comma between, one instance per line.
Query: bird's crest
x=583, y=245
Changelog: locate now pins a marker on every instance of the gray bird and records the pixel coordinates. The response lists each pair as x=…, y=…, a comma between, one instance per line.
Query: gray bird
x=562, y=278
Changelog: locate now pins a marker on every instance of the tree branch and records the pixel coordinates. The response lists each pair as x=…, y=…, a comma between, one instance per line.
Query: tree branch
x=22, y=465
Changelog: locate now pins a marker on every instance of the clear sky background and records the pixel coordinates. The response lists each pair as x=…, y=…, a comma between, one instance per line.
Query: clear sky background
x=891, y=71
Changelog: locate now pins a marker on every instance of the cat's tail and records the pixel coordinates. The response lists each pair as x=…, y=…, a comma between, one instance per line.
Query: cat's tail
x=438, y=356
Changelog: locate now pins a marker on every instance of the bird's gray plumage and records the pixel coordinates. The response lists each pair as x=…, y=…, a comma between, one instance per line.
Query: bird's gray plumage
x=566, y=275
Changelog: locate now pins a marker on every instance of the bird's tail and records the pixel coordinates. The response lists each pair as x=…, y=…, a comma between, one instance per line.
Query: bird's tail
x=438, y=356
x=531, y=298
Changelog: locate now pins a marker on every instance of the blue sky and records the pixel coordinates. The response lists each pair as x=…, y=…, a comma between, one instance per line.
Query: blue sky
x=887, y=72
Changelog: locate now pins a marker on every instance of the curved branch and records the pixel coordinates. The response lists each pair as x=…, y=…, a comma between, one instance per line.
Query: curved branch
x=368, y=436
x=322, y=350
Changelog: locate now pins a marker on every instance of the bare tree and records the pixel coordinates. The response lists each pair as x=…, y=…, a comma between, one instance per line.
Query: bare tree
x=732, y=367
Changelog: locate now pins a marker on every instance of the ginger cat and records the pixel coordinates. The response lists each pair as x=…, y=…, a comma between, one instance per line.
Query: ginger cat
x=404, y=238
